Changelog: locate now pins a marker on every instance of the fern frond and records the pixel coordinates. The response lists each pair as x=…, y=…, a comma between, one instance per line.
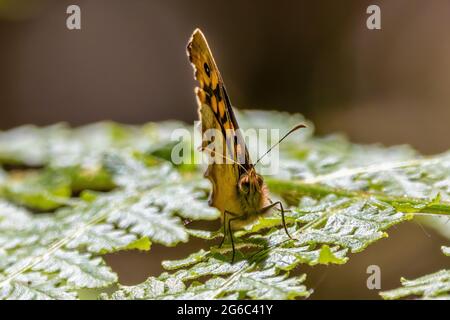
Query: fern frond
x=432, y=286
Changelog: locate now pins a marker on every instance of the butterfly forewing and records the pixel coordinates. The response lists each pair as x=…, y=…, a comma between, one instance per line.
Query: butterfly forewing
x=212, y=95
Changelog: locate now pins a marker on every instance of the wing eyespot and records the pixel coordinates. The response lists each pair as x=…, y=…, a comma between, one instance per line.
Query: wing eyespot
x=207, y=70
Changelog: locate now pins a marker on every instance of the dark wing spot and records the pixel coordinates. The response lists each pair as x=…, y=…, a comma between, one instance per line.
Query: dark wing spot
x=207, y=70
x=217, y=93
x=208, y=99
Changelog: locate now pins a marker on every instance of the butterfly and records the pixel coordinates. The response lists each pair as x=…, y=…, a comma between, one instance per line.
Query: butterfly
x=238, y=191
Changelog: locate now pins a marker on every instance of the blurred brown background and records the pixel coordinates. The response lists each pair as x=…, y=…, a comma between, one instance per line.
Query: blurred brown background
x=128, y=64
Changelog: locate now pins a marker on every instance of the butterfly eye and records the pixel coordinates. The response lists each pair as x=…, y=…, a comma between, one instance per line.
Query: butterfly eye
x=207, y=70
x=244, y=186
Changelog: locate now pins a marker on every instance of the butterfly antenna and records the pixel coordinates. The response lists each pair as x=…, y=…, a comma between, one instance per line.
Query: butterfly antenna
x=297, y=127
x=227, y=158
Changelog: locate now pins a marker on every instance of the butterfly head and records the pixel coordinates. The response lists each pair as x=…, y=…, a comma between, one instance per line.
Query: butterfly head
x=250, y=182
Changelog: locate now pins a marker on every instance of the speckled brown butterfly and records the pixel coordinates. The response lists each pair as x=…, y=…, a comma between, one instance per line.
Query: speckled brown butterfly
x=238, y=191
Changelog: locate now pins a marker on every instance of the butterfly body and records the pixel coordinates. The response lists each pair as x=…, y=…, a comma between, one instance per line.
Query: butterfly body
x=253, y=197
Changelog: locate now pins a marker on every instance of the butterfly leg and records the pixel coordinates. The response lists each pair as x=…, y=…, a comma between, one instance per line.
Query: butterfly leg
x=224, y=231
x=271, y=201
x=225, y=213
x=231, y=237
x=272, y=205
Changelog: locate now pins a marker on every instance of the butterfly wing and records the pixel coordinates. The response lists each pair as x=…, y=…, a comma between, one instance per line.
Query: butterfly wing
x=212, y=95
x=215, y=112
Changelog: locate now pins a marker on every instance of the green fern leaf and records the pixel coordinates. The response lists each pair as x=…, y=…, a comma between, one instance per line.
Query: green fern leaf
x=432, y=286
x=265, y=284
x=34, y=286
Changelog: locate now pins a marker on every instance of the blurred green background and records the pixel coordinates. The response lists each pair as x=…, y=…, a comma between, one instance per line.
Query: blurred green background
x=128, y=64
